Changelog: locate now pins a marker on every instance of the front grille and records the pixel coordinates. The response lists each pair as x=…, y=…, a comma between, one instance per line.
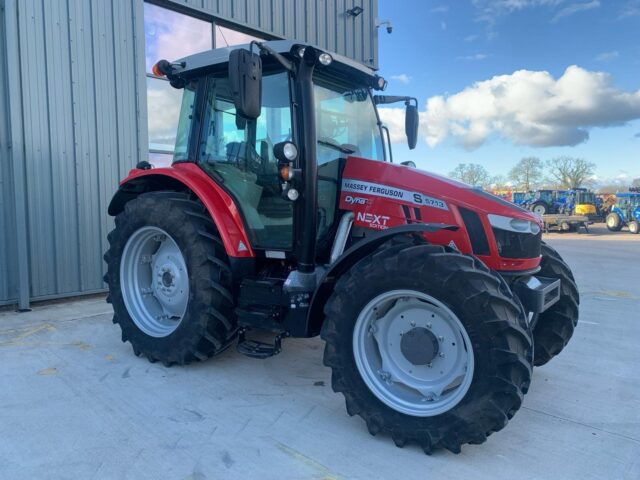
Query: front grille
x=475, y=230
x=517, y=245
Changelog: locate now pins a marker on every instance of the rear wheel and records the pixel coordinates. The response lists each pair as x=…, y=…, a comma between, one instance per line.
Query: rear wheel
x=555, y=326
x=634, y=226
x=614, y=222
x=440, y=356
x=169, y=280
x=540, y=208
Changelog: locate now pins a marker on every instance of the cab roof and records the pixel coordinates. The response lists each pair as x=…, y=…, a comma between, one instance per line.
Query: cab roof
x=219, y=56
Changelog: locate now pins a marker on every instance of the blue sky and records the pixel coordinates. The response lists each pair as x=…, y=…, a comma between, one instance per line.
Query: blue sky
x=440, y=48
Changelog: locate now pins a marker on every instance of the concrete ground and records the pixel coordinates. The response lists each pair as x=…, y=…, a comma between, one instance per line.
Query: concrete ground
x=76, y=403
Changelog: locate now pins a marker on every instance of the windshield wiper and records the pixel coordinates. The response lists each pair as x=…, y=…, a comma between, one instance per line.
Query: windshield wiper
x=344, y=148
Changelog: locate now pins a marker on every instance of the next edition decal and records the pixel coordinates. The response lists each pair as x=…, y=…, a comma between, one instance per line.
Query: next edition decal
x=379, y=190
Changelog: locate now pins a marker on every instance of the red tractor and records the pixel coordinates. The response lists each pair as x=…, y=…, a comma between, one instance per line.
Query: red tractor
x=283, y=213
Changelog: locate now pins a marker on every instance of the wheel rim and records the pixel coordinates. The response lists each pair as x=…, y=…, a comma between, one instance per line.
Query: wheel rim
x=611, y=222
x=539, y=209
x=154, y=281
x=413, y=353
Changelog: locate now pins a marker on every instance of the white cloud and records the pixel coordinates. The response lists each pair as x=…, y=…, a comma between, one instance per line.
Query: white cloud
x=475, y=57
x=607, y=56
x=526, y=108
x=402, y=78
x=531, y=108
x=393, y=117
x=574, y=8
x=489, y=11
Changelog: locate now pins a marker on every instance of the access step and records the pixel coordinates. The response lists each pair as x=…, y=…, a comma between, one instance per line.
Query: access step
x=258, y=349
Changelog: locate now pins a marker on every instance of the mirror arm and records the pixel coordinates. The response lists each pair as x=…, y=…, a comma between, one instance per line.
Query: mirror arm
x=264, y=49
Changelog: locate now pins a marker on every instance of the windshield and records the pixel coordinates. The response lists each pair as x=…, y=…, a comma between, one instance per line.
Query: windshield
x=346, y=123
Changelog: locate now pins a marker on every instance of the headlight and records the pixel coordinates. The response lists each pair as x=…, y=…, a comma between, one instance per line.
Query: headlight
x=513, y=224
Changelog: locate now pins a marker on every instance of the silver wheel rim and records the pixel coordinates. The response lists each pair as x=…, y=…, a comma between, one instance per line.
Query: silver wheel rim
x=539, y=209
x=154, y=281
x=420, y=390
x=611, y=222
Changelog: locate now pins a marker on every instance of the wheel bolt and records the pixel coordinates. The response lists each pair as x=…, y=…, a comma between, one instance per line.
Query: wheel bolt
x=412, y=323
x=441, y=338
x=429, y=325
x=441, y=354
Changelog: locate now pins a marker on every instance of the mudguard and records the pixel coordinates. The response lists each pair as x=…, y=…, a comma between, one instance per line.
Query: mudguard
x=188, y=176
x=351, y=256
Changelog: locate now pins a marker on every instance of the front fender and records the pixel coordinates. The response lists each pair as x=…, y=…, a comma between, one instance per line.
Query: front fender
x=188, y=176
x=350, y=257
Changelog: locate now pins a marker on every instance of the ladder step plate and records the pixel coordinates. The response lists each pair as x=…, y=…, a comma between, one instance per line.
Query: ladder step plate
x=256, y=349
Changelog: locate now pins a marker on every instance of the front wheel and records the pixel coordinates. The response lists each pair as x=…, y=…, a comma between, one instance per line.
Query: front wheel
x=554, y=327
x=428, y=346
x=634, y=226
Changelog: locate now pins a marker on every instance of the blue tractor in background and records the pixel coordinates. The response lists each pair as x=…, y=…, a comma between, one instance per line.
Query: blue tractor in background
x=549, y=202
x=626, y=211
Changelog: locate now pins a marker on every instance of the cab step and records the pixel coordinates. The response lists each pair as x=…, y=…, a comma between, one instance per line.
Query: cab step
x=258, y=349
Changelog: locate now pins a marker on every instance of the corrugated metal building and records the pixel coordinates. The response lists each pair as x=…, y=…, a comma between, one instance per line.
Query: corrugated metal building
x=74, y=81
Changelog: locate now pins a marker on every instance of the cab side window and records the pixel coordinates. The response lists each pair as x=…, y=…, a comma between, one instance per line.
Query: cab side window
x=239, y=152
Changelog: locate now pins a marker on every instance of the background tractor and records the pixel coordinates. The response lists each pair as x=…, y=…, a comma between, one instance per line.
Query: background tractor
x=626, y=211
x=545, y=202
x=283, y=213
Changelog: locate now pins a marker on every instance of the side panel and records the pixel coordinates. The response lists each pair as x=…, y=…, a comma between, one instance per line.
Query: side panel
x=219, y=204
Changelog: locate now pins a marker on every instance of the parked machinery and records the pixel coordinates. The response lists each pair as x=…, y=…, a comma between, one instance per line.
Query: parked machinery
x=546, y=202
x=625, y=212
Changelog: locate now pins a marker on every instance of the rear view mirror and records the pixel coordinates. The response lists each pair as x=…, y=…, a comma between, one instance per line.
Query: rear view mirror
x=245, y=79
x=411, y=121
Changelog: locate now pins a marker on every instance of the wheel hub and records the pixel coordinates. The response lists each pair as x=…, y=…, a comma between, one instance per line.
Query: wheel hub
x=419, y=345
x=154, y=281
x=413, y=353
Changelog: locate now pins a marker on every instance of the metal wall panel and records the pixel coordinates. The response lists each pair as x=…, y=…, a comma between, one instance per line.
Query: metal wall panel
x=8, y=266
x=73, y=108
x=322, y=22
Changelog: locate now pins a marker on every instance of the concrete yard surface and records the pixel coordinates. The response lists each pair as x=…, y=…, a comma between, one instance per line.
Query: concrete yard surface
x=77, y=404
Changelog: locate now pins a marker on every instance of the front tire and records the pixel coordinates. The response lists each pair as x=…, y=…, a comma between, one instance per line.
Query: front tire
x=555, y=326
x=486, y=328
x=169, y=280
x=634, y=226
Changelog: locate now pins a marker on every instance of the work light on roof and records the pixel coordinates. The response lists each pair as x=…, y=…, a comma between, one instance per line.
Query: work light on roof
x=325, y=59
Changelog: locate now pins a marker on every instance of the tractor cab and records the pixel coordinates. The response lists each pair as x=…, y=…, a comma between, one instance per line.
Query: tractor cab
x=584, y=203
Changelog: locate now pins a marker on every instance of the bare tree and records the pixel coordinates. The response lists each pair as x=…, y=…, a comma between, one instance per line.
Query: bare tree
x=472, y=174
x=499, y=182
x=526, y=173
x=570, y=172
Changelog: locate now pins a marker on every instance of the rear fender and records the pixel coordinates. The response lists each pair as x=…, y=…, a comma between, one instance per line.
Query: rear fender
x=353, y=255
x=189, y=177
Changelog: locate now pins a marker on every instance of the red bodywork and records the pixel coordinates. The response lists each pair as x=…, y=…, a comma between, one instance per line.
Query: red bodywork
x=384, y=195
x=381, y=195
x=217, y=201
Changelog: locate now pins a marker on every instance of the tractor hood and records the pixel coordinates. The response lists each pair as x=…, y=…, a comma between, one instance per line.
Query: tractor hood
x=431, y=190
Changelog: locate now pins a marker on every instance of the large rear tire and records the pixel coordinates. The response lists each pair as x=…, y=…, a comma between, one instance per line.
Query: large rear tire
x=614, y=222
x=169, y=280
x=540, y=208
x=440, y=307
x=555, y=326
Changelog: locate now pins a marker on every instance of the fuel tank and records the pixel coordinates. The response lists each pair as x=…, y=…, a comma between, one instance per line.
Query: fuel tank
x=383, y=195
